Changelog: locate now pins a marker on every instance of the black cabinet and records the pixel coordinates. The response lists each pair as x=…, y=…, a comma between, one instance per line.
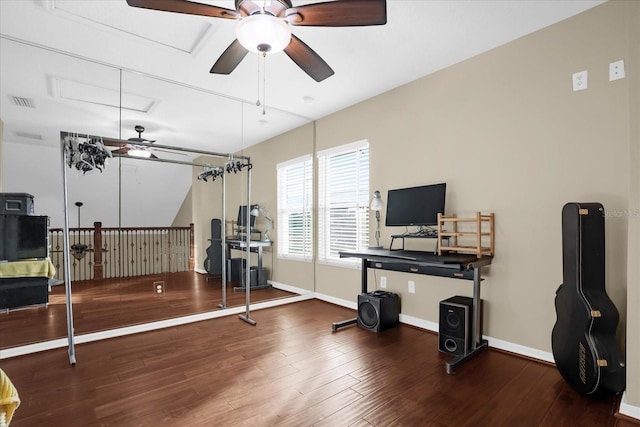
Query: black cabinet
x=23, y=238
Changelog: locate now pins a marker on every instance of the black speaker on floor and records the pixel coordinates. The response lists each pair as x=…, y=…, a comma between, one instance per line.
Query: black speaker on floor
x=213, y=261
x=456, y=325
x=378, y=310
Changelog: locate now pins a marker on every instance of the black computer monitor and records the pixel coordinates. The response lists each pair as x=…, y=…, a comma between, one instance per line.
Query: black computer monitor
x=242, y=217
x=416, y=205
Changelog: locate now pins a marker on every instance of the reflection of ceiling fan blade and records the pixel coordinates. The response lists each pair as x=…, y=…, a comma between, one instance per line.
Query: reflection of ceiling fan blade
x=123, y=150
x=168, y=151
x=339, y=13
x=134, y=140
x=229, y=59
x=308, y=60
x=181, y=6
x=112, y=142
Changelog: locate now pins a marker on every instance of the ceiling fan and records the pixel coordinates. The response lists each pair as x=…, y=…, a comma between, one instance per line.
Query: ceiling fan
x=264, y=26
x=133, y=147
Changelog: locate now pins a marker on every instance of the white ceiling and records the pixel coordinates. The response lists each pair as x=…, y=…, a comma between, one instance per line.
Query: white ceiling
x=67, y=57
x=101, y=67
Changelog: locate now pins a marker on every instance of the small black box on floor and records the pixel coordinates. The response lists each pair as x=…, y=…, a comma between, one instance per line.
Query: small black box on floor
x=235, y=268
x=16, y=204
x=456, y=325
x=378, y=310
x=257, y=280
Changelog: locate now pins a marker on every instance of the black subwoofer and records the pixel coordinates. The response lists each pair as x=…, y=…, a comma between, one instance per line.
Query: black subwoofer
x=456, y=325
x=378, y=310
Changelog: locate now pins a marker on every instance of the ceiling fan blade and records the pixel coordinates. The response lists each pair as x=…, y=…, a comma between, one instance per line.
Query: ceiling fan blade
x=229, y=59
x=308, y=60
x=184, y=6
x=339, y=13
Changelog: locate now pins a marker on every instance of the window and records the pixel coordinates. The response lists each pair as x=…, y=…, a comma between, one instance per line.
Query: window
x=343, y=196
x=295, y=207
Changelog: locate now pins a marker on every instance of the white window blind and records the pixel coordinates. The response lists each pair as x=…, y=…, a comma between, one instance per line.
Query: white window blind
x=295, y=208
x=343, y=196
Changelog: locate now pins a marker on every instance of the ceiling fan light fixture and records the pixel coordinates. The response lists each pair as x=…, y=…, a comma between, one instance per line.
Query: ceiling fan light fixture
x=262, y=33
x=139, y=152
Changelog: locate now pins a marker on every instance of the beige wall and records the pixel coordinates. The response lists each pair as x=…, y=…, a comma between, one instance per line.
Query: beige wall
x=206, y=200
x=265, y=158
x=633, y=275
x=1, y=139
x=508, y=135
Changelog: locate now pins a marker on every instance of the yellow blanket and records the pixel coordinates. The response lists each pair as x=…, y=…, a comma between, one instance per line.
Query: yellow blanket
x=9, y=399
x=28, y=268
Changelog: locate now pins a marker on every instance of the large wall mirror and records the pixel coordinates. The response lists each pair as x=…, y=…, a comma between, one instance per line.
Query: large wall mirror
x=153, y=218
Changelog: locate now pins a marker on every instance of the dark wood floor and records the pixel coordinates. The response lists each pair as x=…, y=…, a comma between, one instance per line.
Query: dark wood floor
x=99, y=305
x=292, y=370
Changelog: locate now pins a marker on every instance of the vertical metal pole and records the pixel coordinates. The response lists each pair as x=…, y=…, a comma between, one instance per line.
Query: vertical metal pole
x=67, y=262
x=247, y=282
x=223, y=232
x=477, y=315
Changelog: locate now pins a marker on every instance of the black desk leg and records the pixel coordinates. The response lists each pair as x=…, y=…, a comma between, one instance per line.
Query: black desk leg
x=478, y=344
x=364, y=284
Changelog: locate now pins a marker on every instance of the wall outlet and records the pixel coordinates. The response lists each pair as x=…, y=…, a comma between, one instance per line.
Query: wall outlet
x=383, y=282
x=412, y=287
x=158, y=287
x=616, y=70
x=580, y=80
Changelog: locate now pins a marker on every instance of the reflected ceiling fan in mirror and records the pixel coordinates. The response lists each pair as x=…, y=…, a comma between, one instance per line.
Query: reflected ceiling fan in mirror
x=264, y=26
x=133, y=146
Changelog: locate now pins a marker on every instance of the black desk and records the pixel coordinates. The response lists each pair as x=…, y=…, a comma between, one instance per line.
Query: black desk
x=457, y=266
x=254, y=246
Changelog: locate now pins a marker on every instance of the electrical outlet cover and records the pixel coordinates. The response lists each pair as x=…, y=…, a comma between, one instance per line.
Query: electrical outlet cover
x=580, y=80
x=616, y=70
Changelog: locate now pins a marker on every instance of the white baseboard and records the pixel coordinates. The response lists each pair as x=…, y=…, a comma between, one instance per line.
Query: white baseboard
x=628, y=410
x=520, y=349
x=337, y=301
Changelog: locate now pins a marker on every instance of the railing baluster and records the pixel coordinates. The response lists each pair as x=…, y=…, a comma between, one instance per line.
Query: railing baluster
x=126, y=252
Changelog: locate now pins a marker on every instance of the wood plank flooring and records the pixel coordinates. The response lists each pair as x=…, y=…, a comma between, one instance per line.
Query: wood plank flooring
x=113, y=303
x=292, y=370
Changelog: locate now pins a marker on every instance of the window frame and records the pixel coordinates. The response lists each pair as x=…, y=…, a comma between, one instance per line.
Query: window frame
x=360, y=204
x=305, y=162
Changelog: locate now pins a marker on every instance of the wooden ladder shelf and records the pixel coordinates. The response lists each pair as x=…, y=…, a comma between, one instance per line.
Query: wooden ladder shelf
x=473, y=238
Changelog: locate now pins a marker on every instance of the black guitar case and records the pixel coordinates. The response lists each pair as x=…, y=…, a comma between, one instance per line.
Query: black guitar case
x=213, y=261
x=583, y=337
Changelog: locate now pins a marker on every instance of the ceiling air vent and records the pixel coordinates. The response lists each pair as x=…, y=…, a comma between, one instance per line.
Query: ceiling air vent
x=23, y=102
x=28, y=135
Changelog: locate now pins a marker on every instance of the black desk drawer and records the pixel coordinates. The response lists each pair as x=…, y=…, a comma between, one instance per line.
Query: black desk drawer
x=453, y=272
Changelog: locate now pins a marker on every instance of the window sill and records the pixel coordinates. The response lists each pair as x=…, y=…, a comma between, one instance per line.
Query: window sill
x=344, y=263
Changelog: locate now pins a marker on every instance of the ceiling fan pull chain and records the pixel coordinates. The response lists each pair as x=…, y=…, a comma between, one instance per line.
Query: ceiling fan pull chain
x=258, y=101
x=264, y=83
